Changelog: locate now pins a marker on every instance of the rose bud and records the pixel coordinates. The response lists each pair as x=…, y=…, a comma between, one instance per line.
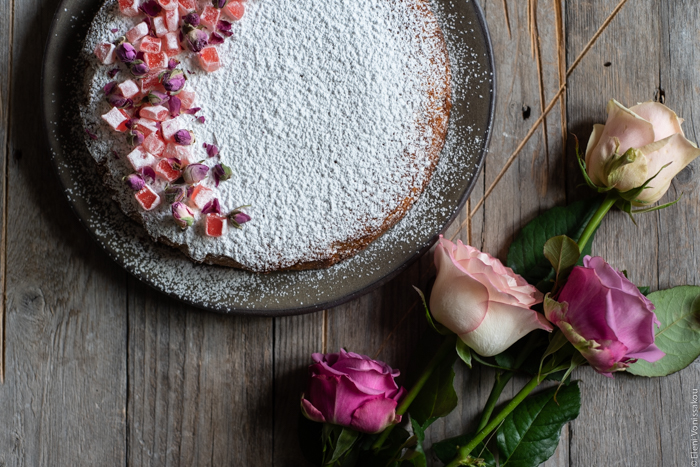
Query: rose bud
x=148, y=174
x=212, y=207
x=109, y=87
x=134, y=138
x=605, y=317
x=238, y=217
x=195, y=173
x=211, y=149
x=126, y=52
x=172, y=64
x=182, y=214
x=196, y=39
x=175, y=193
x=120, y=102
x=173, y=80
x=151, y=8
x=135, y=181
x=218, y=3
x=183, y=137
x=485, y=303
x=157, y=97
x=192, y=18
x=352, y=390
x=221, y=173
x=634, y=145
x=139, y=68
x=175, y=104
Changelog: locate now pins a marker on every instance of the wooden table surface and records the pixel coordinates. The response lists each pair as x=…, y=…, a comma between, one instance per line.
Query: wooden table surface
x=102, y=370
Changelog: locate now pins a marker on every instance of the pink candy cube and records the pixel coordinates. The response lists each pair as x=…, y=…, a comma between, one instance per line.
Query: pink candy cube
x=160, y=27
x=128, y=88
x=155, y=112
x=210, y=17
x=129, y=7
x=171, y=44
x=170, y=127
x=172, y=19
x=147, y=126
x=187, y=99
x=215, y=225
x=156, y=61
x=116, y=118
x=105, y=53
x=200, y=197
x=137, y=32
x=140, y=158
x=168, y=4
x=185, y=6
x=150, y=44
x=234, y=10
x=209, y=59
x=181, y=153
x=154, y=144
x=150, y=81
x=147, y=198
x=166, y=171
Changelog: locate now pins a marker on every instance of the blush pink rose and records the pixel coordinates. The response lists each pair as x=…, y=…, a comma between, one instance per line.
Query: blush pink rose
x=606, y=317
x=485, y=303
x=352, y=390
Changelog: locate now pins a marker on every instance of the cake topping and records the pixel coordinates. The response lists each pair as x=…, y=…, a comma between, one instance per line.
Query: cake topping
x=135, y=181
x=183, y=137
x=212, y=207
x=211, y=149
x=221, y=173
x=151, y=8
x=126, y=52
x=134, y=137
x=238, y=217
x=182, y=214
x=195, y=173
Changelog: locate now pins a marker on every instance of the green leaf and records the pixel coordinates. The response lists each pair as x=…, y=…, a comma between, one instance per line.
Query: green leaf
x=526, y=253
x=390, y=451
x=644, y=290
x=563, y=254
x=438, y=396
x=416, y=456
x=464, y=352
x=447, y=449
x=529, y=435
x=345, y=441
x=678, y=310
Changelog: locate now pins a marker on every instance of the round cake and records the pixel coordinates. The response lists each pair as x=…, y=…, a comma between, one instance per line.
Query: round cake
x=330, y=115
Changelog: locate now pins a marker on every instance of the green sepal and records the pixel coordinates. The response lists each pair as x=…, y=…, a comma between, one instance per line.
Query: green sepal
x=464, y=352
x=437, y=327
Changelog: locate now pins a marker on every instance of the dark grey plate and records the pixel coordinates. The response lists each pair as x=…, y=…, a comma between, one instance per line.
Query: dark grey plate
x=234, y=291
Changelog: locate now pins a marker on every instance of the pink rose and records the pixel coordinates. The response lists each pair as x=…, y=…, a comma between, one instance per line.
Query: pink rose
x=482, y=301
x=606, y=317
x=653, y=133
x=352, y=390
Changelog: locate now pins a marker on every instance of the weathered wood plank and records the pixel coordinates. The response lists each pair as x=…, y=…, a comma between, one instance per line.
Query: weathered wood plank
x=63, y=401
x=200, y=385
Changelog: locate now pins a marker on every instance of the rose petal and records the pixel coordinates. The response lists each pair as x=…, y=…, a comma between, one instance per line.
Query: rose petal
x=374, y=415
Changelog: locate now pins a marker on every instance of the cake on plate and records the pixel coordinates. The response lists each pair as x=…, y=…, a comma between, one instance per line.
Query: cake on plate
x=266, y=134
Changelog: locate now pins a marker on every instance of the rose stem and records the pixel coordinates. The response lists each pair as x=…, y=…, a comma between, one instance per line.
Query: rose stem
x=448, y=345
x=464, y=451
x=603, y=209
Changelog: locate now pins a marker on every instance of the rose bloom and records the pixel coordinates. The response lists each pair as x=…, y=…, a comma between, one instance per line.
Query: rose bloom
x=606, y=317
x=352, y=390
x=654, y=131
x=482, y=301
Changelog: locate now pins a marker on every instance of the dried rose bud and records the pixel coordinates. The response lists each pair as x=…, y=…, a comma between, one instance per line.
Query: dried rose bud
x=238, y=217
x=151, y=8
x=172, y=64
x=192, y=18
x=135, y=181
x=148, y=174
x=212, y=207
x=221, y=173
x=109, y=87
x=130, y=123
x=216, y=39
x=182, y=214
x=126, y=52
x=134, y=138
x=138, y=68
x=224, y=27
x=120, y=102
x=195, y=173
x=173, y=80
x=211, y=149
x=175, y=193
x=175, y=104
x=218, y=3
x=157, y=97
x=183, y=137
x=197, y=39
x=113, y=72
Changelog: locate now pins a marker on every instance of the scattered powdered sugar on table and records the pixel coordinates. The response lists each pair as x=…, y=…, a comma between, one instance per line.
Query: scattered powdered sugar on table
x=320, y=109
x=227, y=289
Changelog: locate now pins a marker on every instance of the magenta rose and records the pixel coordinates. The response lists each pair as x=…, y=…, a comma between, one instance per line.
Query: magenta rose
x=352, y=390
x=605, y=317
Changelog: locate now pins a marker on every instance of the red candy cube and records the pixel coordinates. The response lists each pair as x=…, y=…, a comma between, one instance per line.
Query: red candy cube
x=200, y=197
x=215, y=225
x=168, y=4
x=187, y=99
x=172, y=19
x=181, y=153
x=166, y=171
x=137, y=32
x=185, y=6
x=150, y=45
x=234, y=10
x=209, y=59
x=129, y=7
x=156, y=61
x=210, y=17
x=159, y=26
x=147, y=198
x=105, y=53
x=139, y=158
x=171, y=44
x=146, y=126
x=155, y=112
x=116, y=118
x=149, y=81
x=154, y=144
x=128, y=88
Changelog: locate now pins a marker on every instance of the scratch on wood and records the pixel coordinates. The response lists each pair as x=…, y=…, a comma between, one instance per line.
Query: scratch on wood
x=324, y=336
x=507, y=17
